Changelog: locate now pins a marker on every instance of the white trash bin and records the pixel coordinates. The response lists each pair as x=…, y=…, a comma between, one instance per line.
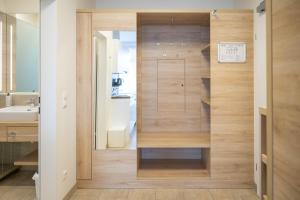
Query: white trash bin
x=37, y=185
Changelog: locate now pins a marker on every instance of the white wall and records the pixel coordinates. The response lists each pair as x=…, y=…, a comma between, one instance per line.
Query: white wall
x=260, y=84
x=245, y=4
x=20, y=6
x=58, y=72
x=165, y=4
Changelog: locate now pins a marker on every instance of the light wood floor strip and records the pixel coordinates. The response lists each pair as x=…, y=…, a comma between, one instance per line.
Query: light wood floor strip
x=165, y=194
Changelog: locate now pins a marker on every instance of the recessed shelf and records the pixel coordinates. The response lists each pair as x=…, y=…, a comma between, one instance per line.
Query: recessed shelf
x=168, y=168
x=28, y=160
x=205, y=100
x=264, y=158
x=263, y=111
x=206, y=47
x=205, y=77
x=173, y=140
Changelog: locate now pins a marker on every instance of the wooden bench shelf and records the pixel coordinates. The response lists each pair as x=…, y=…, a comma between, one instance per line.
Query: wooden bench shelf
x=28, y=160
x=168, y=168
x=206, y=77
x=173, y=140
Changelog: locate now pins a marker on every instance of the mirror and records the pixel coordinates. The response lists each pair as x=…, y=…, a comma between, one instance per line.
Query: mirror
x=20, y=52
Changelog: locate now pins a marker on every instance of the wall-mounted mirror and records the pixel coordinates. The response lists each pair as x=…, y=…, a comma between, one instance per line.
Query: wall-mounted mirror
x=19, y=69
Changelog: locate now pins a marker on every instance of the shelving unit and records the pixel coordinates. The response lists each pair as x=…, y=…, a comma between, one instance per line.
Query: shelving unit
x=173, y=138
x=28, y=160
x=264, y=157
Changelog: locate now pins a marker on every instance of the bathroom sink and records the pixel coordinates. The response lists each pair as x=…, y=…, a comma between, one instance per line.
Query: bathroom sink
x=19, y=114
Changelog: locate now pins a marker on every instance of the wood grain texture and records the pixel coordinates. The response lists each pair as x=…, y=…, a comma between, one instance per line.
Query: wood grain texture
x=84, y=96
x=111, y=170
x=201, y=19
x=173, y=140
x=161, y=49
x=164, y=194
x=3, y=134
x=22, y=134
x=110, y=21
x=286, y=95
x=232, y=99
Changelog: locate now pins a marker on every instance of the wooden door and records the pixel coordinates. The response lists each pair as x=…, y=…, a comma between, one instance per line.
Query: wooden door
x=285, y=59
x=232, y=99
x=170, y=89
x=84, y=96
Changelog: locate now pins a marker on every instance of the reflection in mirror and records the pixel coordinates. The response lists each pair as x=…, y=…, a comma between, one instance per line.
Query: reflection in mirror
x=2, y=52
x=19, y=39
x=24, y=46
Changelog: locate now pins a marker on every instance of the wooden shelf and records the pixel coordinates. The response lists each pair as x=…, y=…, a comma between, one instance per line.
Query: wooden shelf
x=206, y=47
x=173, y=140
x=172, y=168
x=263, y=111
x=205, y=100
x=264, y=158
x=265, y=197
x=205, y=77
x=28, y=160
x=6, y=169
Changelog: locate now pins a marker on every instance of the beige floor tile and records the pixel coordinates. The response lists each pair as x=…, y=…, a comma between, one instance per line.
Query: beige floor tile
x=113, y=194
x=141, y=194
x=86, y=194
x=169, y=194
x=197, y=194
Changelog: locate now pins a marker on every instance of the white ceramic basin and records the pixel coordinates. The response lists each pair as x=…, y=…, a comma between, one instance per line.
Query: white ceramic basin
x=19, y=114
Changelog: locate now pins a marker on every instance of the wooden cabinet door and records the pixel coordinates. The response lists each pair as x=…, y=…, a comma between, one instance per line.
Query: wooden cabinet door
x=284, y=72
x=232, y=99
x=84, y=96
x=170, y=89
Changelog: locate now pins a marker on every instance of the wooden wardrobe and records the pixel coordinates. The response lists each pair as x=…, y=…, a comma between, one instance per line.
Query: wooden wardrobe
x=194, y=114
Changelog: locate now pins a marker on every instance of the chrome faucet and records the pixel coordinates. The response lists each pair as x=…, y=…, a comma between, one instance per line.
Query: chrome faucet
x=32, y=102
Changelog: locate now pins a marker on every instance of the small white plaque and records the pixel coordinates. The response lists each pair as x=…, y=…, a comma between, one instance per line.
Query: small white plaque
x=232, y=52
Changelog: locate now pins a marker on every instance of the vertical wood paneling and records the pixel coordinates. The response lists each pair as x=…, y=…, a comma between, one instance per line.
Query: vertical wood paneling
x=232, y=99
x=286, y=99
x=84, y=96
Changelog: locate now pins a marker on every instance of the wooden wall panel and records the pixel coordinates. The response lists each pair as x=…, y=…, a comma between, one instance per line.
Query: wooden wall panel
x=232, y=99
x=110, y=21
x=286, y=99
x=110, y=170
x=84, y=96
x=165, y=45
x=170, y=85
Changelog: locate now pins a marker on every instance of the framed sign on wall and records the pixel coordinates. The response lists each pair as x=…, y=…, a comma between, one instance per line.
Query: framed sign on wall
x=231, y=52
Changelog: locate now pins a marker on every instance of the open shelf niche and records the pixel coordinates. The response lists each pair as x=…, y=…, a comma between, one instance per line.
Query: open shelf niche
x=264, y=156
x=173, y=127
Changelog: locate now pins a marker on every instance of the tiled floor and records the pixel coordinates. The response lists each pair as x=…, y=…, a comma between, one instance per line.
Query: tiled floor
x=164, y=194
x=17, y=193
